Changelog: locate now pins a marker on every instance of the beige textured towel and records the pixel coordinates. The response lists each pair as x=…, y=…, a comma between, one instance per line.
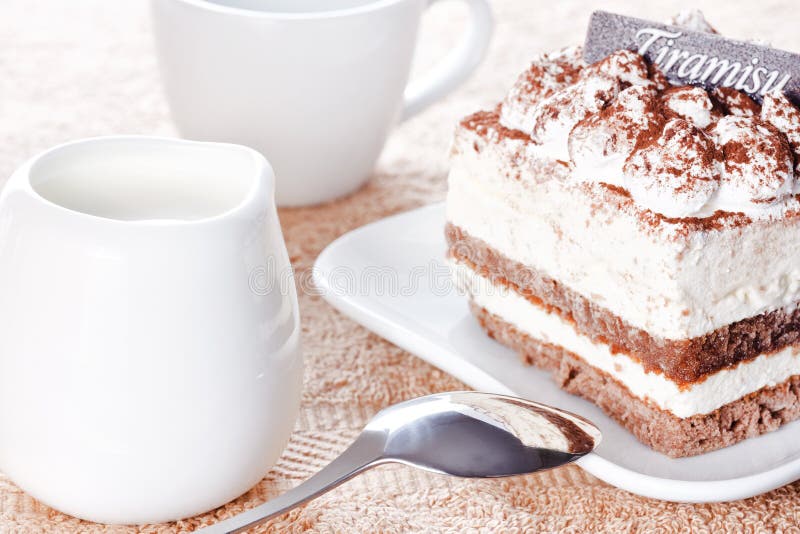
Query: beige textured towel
x=86, y=67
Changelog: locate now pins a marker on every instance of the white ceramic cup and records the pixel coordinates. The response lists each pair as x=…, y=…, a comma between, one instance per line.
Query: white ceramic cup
x=315, y=85
x=143, y=377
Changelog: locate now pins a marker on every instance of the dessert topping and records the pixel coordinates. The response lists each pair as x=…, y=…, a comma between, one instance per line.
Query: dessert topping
x=626, y=66
x=690, y=103
x=692, y=19
x=556, y=115
x=736, y=103
x=545, y=75
x=783, y=115
x=678, y=151
x=678, y=172
x=757, y=161
x=616, y=129
x=682, y=151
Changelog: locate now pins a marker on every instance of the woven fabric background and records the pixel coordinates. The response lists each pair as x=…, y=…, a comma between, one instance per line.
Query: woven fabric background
x=87, y=67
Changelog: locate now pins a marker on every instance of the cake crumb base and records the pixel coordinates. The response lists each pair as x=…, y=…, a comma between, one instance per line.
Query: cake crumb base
x=755, y=414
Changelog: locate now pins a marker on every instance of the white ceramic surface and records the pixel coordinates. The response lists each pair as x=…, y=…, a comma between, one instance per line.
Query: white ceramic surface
x=314, y=85
x=146, y=372
x=390, y=276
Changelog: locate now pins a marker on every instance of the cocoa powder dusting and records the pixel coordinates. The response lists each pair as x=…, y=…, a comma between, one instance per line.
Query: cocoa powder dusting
x=734, y=102
x=627, y=108
x=484, y=123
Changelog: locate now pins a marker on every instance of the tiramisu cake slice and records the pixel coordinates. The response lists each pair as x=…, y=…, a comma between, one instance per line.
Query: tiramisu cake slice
x=640, y=240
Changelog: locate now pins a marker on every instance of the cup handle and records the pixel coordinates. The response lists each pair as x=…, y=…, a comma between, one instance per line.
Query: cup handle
x=456, y=66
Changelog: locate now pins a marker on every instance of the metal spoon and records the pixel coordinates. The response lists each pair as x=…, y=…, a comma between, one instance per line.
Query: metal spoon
x=465, y=434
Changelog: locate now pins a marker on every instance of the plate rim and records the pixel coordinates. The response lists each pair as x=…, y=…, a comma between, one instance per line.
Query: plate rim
x=397, y=333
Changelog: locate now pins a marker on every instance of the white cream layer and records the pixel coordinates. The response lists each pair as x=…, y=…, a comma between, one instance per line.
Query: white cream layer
x=703, y=397
x=673, y=286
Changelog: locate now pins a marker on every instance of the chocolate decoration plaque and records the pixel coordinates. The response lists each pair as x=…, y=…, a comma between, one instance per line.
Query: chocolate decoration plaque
x=690, y=57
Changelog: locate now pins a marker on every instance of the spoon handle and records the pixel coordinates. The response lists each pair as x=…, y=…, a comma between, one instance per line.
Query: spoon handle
x=365, y=452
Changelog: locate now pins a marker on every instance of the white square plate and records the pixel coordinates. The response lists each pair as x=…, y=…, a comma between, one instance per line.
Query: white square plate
x=391, y=277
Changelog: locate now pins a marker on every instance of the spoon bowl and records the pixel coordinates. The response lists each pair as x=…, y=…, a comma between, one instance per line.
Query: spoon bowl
x=462, y=433
x=478, y=435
